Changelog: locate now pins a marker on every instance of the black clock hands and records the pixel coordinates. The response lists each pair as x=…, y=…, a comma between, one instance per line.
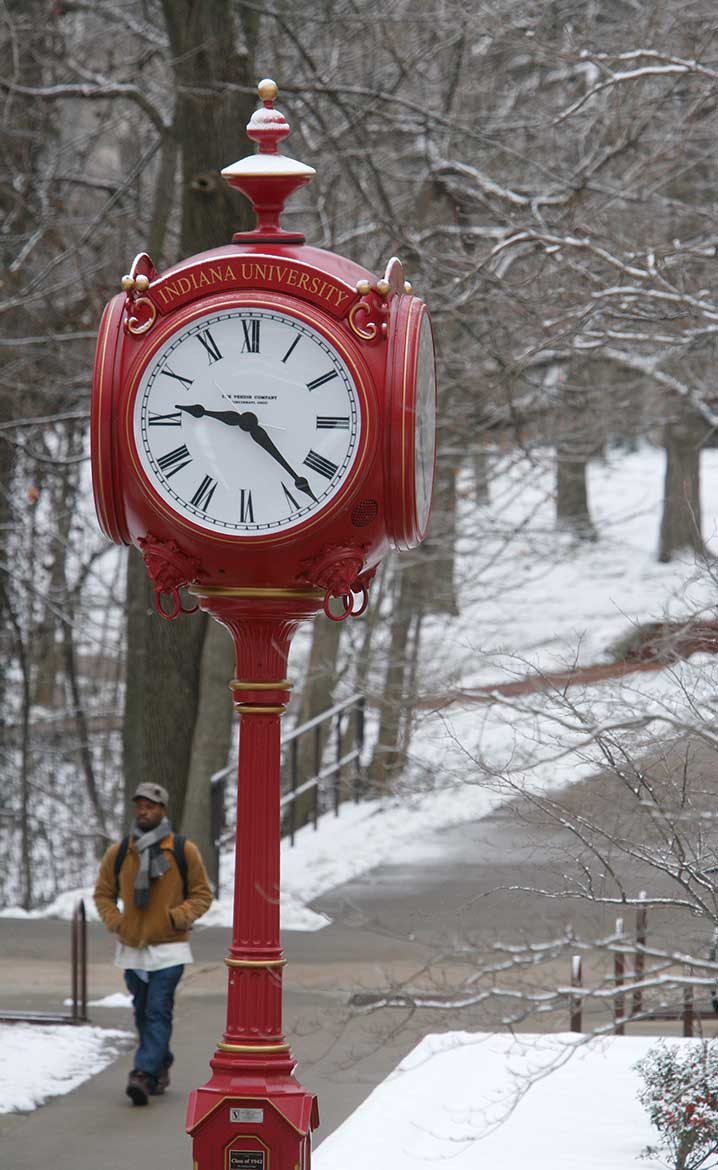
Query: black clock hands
x=248, y=421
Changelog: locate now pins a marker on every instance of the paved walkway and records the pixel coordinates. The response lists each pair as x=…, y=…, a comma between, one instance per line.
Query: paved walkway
x=388, y=927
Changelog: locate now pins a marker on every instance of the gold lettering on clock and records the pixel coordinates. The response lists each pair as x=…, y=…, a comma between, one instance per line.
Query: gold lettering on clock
x=248, y=273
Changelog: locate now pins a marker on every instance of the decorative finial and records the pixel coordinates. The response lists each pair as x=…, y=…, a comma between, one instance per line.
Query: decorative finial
x=268, y=90
x=268, y=126
x=267, y=178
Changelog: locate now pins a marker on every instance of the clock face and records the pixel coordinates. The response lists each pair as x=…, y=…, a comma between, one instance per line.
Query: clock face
x=424, y=424
x=247, y=421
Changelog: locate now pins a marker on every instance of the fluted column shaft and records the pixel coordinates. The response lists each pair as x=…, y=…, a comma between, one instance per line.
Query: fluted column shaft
x=262, y=624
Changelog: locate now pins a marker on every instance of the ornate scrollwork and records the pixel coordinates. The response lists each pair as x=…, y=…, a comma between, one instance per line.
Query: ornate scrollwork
x=337, y=568
x=146, y=308
x=169, y=568
x=368, y=334
x=141, y=310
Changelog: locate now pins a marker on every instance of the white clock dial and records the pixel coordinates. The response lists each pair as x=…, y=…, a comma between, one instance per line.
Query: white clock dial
x=247, y=421
x=425, y=424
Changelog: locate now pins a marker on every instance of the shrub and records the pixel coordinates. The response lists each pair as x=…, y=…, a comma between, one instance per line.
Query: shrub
x=680, y=1093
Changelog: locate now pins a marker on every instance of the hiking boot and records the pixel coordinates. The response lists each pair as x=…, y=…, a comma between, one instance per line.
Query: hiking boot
x=139, y=1087
x=163, y=1080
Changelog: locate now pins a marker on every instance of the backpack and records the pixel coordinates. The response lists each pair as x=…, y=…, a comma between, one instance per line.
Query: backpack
x=177, y=852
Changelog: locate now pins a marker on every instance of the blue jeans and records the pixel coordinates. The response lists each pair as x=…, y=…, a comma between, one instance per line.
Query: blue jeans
x=153, y=1002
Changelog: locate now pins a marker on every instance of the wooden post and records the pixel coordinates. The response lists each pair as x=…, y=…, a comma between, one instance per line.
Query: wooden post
x=639, y=965
x=688, y=1005
x=576, y=1000
x=618, y=976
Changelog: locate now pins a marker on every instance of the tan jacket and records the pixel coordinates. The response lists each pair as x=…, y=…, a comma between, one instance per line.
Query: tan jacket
x=167, y=917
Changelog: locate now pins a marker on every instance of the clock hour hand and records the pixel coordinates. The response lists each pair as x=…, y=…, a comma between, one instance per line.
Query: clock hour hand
x=231, y=417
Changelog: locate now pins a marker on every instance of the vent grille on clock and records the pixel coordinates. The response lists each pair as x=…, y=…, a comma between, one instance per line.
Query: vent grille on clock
x=364, y=513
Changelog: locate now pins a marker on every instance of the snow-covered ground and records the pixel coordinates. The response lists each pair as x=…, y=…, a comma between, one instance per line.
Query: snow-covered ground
x=559, y=603
x=40, y=1061
x=464, y=1100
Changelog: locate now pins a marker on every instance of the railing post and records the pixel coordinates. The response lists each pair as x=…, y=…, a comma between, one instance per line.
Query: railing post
x=618, y=973
x=293, y=757
x=75, y=961
x=576, y=1000
x=79, y=963
x=640, y=958
x=317, y=766
x=688, y=1006
x=216, y=808
x=359, y=775
x=83, y=962
x=338, y=773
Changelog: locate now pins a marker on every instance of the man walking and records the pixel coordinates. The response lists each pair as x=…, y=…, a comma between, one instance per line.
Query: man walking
x=163, y=885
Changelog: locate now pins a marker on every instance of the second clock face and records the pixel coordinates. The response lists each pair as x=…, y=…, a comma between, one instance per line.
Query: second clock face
x=247, y=421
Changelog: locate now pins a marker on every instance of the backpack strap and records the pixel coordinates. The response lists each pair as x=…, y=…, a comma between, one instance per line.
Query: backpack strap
x=181, y=860
x=177, y=851
x=119, y=859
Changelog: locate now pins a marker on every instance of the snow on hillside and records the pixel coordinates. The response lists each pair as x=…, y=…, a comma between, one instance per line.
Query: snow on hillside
x=472, y=1099
x=551, y=603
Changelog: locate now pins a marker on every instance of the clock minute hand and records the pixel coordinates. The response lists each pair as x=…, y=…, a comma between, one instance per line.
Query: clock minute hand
x=248, y=421
x=261, y=437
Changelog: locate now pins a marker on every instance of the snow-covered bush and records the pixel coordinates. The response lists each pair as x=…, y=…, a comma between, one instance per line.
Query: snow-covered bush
x=680, y=1093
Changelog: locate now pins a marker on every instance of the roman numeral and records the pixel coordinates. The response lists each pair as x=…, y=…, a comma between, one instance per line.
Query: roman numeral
x=321, y=465
x=210, y=345
x=251, y=336
x=204, y=493
x=165, y=420
x=320, y=381
x=186, y=382
x=294, y=503
x=294, y=344
x=246, y=509
x=329, y=423
x=180, y=456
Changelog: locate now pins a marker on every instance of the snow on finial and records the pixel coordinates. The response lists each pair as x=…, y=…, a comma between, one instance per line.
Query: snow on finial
x=267, y=178
x=267, y=126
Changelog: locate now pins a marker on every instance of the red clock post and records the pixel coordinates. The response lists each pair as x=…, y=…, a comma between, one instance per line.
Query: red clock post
x=263, y=429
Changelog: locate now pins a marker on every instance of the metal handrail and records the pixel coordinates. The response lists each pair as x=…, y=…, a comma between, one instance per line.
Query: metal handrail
x=223, y=773
x=315, y=782
x=327, y=771
x=78, y=1015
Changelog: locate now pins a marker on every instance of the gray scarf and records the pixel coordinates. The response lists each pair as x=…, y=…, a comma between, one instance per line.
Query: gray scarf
x=153, y=862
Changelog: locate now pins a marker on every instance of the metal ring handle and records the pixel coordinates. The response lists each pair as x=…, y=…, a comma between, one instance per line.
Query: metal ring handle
x=177, y=608
x=346, y=599
x=363, y=604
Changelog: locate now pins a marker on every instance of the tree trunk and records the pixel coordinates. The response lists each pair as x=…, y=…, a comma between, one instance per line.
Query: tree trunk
x=390, y=752
x=481, y=465
x=440, y=543
x=163, y=669
x=163, y=658
x=317, y=696
x=211, y=741
x=681, y=519
x=572, y=510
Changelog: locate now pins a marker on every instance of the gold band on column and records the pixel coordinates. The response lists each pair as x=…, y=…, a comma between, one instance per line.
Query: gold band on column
x=255, y=964
x=252, y=1047
x=250, y=709
x=243, y=591
x=241, y=685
